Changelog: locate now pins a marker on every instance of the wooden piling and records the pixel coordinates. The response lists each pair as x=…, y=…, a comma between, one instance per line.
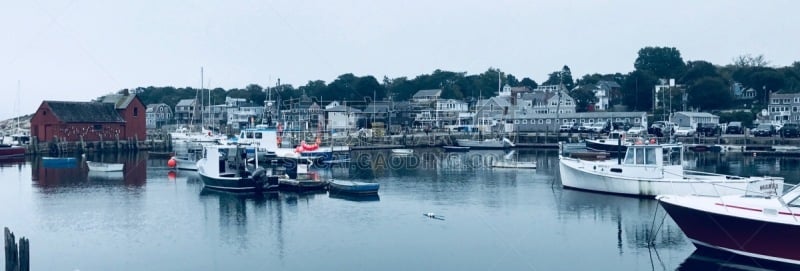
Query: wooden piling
x=17, y=257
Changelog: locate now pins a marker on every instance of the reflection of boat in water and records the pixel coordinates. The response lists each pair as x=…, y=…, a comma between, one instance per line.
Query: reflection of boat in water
x=351, y=197
x=707, y=259
x=512, y=161
x=59, y=162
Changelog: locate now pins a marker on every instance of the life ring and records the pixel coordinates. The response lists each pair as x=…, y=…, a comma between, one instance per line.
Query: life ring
x=638, y=142
x=652, y=140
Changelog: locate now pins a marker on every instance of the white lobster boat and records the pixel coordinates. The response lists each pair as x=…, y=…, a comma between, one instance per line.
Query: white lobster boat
x=649, y=170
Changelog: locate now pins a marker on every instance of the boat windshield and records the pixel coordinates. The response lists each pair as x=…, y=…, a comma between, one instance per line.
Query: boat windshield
x=672, y=156
x=640, y=156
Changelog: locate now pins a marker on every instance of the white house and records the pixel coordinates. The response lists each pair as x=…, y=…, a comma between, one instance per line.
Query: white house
x=426, y=96
x=342, y=117
x=691, y=119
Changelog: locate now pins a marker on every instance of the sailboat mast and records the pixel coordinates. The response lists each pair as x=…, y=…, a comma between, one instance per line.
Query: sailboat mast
x=17, y=105
x=202, y=109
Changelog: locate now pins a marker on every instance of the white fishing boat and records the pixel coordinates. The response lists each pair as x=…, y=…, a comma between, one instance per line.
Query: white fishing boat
x=104, y=167
x=402, y=151
x=224, y=168
x=490, y=143
x=649, y=170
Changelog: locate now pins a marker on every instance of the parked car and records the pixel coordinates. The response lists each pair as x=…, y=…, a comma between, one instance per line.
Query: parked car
x=619, y=125
x=684, y=131
x=599, y=127
x=790, y=130
x=576, y=128
x=661, y=128
x=708, y=129
x=764, y=130
x=636, y=131
x=565, y=128
x=734, y=127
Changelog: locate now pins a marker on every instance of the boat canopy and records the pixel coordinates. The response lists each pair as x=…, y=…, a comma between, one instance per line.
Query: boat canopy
x=654, y=155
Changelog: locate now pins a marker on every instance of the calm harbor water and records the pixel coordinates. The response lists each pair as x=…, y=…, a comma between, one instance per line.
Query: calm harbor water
x=151, y=218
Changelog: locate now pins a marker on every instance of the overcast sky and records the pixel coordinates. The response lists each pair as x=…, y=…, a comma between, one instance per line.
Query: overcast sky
x=79, y=50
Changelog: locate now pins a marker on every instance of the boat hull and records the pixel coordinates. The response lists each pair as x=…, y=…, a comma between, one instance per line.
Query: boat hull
x=599, y=177
x=237, y=184
x=104, y=167
x=10, y=152
x=356, y=188
x=301, y=184
x=483, y=144
x=455, y=149
x=611, y=146
x=747, y=236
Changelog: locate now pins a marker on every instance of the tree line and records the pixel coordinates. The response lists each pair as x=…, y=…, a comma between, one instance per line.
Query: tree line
x=707, y=86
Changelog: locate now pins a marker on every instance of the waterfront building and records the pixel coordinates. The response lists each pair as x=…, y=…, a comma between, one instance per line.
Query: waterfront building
x=537, y=122
x=541, y=102
x=426, y=96
x=783, y=107
x=187, y=112
x=691, y=119
x=244, y=115
x=342, y=119
x=157, y=115
x=115, y=117
x=303, y=114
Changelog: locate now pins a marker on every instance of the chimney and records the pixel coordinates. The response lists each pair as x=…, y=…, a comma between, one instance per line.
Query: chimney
x=126, y=92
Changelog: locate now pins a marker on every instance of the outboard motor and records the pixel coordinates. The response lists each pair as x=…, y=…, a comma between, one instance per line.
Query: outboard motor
x=260, y=178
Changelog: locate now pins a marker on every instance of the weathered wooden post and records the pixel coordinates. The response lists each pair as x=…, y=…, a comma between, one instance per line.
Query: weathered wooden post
x=17, y=257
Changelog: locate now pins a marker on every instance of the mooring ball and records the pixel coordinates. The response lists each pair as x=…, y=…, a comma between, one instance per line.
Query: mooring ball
x=172, y=163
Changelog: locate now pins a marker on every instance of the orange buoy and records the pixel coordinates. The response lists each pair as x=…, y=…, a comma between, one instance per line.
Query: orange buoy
x=172, y=163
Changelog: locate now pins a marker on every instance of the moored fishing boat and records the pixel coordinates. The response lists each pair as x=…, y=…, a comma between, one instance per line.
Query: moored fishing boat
x=649, y=170
x=224, y=168
x=491, y=143
x=9, y=151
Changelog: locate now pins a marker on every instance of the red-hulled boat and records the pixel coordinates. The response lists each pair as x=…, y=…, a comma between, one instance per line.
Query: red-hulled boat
x=760, y=226
x=9, y=151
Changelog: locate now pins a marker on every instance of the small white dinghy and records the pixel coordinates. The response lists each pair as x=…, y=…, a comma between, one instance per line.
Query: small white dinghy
x=105, y=167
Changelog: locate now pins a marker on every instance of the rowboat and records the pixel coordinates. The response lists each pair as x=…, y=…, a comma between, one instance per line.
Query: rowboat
x=104, y=167
x=353, y=187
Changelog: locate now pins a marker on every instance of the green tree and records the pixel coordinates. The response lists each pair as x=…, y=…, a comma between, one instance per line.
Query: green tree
x=564, y=76
x=584, y=98
x=637, y=90
x=698, y=69
x=528, y=83
x=709, y=93
x=661, y=62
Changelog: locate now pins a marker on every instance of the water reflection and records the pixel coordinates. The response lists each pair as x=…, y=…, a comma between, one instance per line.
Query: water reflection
x=51, y=179
x=706, y=259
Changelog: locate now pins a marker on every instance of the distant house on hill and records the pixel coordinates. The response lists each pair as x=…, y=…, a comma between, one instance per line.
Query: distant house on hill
x=158, y=115
x=120, y=117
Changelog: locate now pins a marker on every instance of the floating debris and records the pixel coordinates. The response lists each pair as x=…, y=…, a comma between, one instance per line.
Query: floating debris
x=434, y=216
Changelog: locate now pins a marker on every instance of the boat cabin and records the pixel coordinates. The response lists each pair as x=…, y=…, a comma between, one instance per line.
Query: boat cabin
x=262, y=135
x=225, y=161
x=654, y=155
